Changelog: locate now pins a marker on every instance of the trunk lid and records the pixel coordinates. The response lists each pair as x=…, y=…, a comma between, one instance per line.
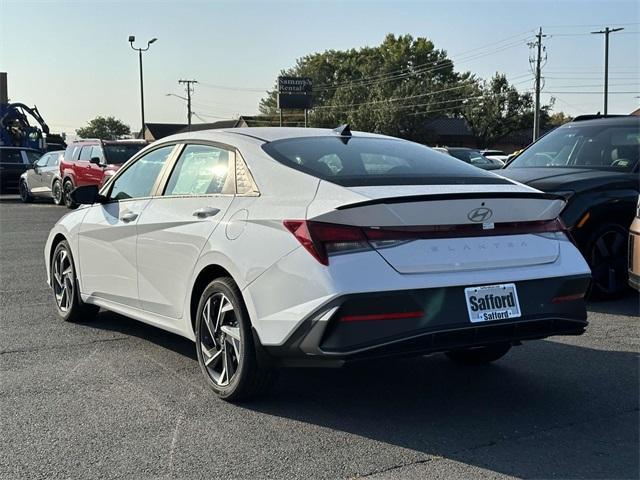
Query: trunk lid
x=456, y=227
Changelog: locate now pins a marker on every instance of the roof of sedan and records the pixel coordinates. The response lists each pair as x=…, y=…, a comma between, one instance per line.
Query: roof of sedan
x=270, y=134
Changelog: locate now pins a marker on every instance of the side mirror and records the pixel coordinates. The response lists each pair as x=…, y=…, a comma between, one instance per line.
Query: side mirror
x=96, y=161
x=87, y=195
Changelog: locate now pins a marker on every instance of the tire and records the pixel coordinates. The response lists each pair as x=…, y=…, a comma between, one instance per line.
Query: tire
x=479, y=355
x=57, y=193
x=66, y=191
x=64, y=282
x=25, y=196
x=225, y=347
x=606, y=252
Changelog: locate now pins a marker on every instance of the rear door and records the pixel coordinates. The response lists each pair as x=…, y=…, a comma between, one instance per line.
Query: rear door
x=174, y=228
x=50, y=171
x=107, y=238
x=81, y=166
x=35, y=178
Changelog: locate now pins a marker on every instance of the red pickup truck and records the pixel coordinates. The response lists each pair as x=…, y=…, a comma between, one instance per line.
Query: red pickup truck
x=92, y=162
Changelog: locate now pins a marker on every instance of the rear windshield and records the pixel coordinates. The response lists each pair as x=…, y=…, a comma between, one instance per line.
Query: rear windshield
x=118, y=154
x=362, y=161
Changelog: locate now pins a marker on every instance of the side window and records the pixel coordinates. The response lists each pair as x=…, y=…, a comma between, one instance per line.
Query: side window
x=200, y=170
x=76, y=153
x=10, y=156
x=54, y=159
x=42, y=161
x=96, y=151
x=32, y=156
x=85, y=154
x=138, y=179
x=245, y=185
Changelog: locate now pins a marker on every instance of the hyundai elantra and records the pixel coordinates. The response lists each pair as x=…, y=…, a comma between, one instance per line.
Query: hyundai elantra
x=275, y=247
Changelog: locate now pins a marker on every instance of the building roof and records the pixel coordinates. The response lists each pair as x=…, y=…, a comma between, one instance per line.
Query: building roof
x=161, y=130
x=209, y=126
x=449, y=126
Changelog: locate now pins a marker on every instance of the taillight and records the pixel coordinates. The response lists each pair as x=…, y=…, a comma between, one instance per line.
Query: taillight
x=321, y=239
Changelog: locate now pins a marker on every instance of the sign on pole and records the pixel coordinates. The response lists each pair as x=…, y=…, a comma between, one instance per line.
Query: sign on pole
x=295, y=93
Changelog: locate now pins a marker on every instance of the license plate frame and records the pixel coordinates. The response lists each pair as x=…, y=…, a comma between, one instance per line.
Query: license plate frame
x=489, y=303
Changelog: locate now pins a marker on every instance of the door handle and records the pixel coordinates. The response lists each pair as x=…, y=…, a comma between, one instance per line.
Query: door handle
x=129, y=217
x=206, y=212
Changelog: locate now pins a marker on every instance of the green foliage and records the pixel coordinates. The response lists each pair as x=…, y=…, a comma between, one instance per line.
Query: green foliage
x=501, y=110
x=558, y=118
x=105, y=128
x=396, y=87
x=380, y=89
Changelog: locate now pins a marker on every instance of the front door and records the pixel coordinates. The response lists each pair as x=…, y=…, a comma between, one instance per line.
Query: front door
x=108, y=235
x=175, y=227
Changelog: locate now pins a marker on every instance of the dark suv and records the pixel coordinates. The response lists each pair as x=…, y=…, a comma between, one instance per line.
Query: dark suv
x=92, y=162
x=14, y=161
x=593, y=164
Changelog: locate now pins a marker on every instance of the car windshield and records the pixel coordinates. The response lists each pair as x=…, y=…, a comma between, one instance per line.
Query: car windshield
x=365, y=161
x=120, y=153
x=600, y=146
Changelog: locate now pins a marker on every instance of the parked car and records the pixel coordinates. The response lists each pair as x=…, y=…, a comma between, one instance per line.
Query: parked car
x=634, y=251
x=43, y=179
x=471, y=156
x=300, y=246
x=497, y=156
x=13, y=162
x=92, y=162
x=594, y=165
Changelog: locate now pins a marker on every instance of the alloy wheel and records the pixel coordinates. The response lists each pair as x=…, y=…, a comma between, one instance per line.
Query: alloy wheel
x=220, y=340
x=63, y=281
x=24, y=193
x=608, y=261
x=57, y=193
x=68, y=187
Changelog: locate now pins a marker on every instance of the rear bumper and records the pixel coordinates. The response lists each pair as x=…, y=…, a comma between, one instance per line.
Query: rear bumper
x=324, y=339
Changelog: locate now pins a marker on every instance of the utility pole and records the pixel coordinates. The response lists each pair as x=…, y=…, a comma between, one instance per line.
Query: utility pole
x=538, y=85
x=606, y=33
x=189, y=88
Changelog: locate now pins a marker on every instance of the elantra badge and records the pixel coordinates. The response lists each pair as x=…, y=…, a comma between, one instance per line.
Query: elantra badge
x=480, y=214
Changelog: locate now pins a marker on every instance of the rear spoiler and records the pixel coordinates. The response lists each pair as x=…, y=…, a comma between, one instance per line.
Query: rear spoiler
x=452, y=196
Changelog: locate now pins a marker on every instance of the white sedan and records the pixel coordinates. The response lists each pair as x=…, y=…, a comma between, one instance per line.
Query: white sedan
x=279, y=246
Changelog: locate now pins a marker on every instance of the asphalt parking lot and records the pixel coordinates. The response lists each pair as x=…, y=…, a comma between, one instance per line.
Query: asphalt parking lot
x=119, y=399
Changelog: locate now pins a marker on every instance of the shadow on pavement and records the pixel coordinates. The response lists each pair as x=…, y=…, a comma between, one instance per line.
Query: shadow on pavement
x=628, y=305
x=546, y=410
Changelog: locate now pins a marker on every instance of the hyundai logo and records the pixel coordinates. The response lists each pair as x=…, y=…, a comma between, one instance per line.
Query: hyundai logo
x=480, y=214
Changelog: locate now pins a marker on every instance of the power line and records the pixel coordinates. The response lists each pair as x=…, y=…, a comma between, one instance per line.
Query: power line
x=400, y=73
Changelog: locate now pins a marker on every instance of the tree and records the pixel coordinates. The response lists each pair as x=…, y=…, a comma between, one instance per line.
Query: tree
x=558, y=118
x=392, y=88
x=499, y=110
x=105, y=128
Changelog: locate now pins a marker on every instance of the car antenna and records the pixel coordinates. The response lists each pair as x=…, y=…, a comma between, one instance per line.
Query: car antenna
x=343, y=130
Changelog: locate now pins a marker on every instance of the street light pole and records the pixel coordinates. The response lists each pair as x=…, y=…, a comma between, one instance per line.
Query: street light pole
x=606, y=33
x=140, y=50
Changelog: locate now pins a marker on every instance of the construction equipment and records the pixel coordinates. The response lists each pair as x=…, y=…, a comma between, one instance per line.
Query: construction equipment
x=16, y=130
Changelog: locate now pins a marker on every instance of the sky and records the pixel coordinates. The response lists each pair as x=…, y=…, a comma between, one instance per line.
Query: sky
x=73, y=60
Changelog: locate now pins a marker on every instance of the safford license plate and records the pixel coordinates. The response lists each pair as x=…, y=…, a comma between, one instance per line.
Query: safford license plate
x=492, y=302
